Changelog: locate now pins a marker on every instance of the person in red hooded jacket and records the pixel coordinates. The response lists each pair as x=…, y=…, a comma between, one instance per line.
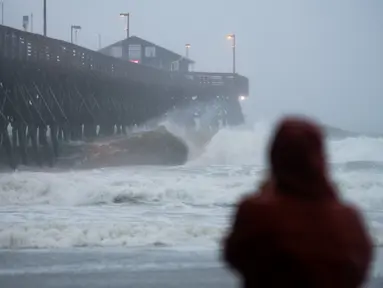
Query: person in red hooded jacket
x=296, y=232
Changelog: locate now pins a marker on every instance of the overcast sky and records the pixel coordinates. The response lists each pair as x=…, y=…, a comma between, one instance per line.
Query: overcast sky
x=319, y=57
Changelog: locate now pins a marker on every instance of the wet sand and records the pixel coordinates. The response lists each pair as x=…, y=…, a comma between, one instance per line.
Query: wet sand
x=122, y=268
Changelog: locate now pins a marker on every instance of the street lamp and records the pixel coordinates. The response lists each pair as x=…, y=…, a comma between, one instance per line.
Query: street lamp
x=2, y=11
x=232, y=38
x=187, y=47
x=32, y=22
x=45, y=18
x=75, y=28
x=127, y=15
x=99, y=41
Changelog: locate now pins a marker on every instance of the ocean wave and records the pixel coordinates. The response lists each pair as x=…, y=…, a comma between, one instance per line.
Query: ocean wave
x=249, y=146
x=338, y=133
x=145, y=207
x=113, y=228
x=197, y=186
x=364, y=149
x=110, y=228
x=373, y=166
x=169, y=206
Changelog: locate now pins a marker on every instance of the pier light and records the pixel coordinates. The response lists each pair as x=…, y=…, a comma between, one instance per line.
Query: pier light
x=187, y=47
x=242, y=98
x=75, y=28
x=127, y=27
x=99, y=40
x=232, y=38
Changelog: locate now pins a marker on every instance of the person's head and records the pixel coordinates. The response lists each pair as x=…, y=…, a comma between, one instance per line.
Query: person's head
x=298, y=160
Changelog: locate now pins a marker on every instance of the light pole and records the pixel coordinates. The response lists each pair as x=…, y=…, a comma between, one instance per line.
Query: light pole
x=232, y=38
x=45, y=18
x=187, y=47
x=76, y=28
x=127, y=15
x=99, y=41
x=32, y=22
x=2, y=11
x=25, y=22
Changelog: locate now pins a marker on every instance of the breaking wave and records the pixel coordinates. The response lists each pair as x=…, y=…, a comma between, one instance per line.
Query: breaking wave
x=170, y=206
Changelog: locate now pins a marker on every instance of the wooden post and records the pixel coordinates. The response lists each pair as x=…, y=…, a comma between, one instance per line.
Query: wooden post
x=21, y=131
x=6, y=142
x=54, y=140
x=33, y=134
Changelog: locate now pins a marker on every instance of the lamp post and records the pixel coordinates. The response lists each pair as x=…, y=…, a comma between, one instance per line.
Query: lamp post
x=127, y=15
x=2, y=11
x=232, y=38
x=99, y=41
x=187, y=47
x=32, y=22
x=25, y=22
x=76, y=28
x=45, y=17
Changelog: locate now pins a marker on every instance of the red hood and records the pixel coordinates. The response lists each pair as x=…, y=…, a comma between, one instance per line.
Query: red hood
x=286, y=235
x=298, y=162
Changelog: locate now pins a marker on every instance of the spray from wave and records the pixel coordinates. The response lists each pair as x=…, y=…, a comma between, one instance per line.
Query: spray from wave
x=248, y=146
x=173, y=206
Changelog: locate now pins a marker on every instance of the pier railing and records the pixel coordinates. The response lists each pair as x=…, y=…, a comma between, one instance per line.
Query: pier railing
x=25, y=46
x=221, y=80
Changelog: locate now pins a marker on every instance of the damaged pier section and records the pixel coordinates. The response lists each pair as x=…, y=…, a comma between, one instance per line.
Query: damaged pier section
x=52, y=92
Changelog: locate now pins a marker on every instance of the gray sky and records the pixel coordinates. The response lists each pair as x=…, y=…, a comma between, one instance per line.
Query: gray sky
x=319, y=57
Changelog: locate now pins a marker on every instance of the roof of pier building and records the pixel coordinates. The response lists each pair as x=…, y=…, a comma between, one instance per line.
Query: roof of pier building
x=141, y=51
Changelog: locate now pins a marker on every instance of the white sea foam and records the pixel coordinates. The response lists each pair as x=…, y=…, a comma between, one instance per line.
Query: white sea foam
x=177, y=207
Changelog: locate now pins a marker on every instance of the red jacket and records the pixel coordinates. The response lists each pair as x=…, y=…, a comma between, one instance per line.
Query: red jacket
x=296, y=232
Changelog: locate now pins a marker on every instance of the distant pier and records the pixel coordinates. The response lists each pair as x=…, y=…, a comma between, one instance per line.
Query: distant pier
x=52, y=91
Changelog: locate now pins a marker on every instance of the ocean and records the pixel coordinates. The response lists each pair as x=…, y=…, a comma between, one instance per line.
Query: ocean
x=158, y=226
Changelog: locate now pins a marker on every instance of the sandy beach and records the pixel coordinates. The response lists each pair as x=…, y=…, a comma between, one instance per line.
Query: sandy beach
x=117, y=268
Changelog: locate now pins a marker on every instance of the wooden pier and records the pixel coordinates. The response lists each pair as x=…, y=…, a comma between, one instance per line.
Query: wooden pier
x=53, y=91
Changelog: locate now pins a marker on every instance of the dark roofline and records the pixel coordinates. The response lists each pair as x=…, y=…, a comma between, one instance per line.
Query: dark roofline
x=148, y=43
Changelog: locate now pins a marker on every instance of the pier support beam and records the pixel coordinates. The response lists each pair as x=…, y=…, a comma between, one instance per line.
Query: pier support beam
x=7, y=145
x=21, y=134
x=54, y=140
x=32, y=131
